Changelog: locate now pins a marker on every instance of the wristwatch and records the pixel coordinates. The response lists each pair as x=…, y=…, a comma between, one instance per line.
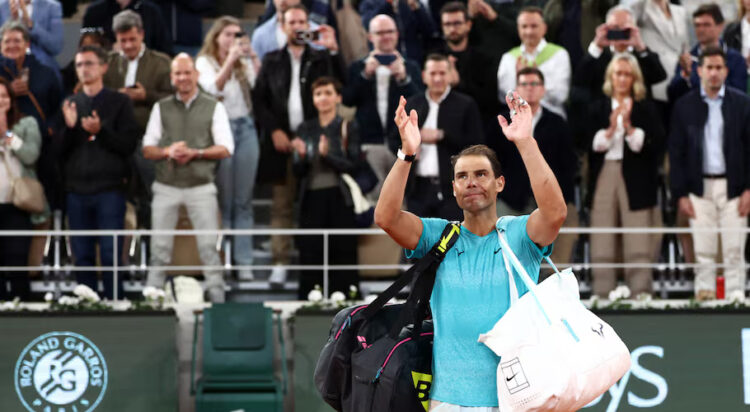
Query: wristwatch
x=405, y=157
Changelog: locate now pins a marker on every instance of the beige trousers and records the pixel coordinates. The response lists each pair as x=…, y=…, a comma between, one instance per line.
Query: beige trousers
x=713, y=210
x=610, y=209
x=283, y=193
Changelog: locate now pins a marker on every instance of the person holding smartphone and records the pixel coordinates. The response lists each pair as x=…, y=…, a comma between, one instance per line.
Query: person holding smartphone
x=375, y=84
x=228, y=68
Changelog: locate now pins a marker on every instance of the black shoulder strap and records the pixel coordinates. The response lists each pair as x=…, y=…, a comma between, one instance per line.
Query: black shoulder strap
x=429, y=262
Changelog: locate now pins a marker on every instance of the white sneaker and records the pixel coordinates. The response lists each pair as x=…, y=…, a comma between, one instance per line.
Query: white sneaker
x=245, y=274
x=278, y=276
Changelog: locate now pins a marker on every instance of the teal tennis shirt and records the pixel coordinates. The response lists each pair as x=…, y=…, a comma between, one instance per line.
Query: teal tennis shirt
x=470, y=295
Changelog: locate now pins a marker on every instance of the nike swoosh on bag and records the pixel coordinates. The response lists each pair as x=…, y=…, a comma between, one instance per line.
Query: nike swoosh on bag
x=511, y=378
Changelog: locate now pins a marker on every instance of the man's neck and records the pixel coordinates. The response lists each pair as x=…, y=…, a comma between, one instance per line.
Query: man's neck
x=481, y=223
x=715, y=43
x=460, y=46
x=435, y=95
x=92, y=89
x=185, y=97
x=531, y=48
x=535, y=107
x=325, y=118
x=123, y=3
x=712, y=93
x=295, y=49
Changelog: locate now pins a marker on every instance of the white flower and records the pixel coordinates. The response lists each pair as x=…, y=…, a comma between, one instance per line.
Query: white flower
x=337, y=297
x=86, y=293
x=644, y=297
x=68, y=300
x=315, y=295
x=7, y=306
x=737, y=296
x=152, y=293
x=352, y=289
x=49, y=297
x=370, y=298
x=620, y=292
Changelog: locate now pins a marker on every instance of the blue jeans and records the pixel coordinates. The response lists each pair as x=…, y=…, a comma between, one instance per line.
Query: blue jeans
x=99, y=211
x=235, y=180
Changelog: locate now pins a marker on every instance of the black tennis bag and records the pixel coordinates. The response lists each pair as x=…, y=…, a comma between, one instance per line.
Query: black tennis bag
x=375, y=357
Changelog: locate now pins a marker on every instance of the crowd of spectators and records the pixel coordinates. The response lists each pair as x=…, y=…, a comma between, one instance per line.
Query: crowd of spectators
x=640, y=108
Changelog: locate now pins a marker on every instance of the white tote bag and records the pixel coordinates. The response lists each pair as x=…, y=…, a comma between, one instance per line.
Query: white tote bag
x=555, y=354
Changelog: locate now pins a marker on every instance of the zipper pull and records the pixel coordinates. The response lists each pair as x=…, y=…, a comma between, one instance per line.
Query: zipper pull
x=377, y=376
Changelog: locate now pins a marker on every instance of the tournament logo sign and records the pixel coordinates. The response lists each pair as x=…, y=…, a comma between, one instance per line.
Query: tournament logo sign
x=61, y=371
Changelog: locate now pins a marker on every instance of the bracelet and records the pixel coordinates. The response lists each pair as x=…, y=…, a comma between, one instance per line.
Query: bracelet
x=405, y=157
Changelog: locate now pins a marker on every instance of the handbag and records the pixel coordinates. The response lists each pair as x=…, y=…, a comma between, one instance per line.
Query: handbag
x=556, y=355
x=378, y=357
x=26, y=193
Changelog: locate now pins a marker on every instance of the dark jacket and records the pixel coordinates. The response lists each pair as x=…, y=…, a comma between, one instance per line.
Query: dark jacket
x=640, y=170
x=94, y=165
x=477, y=78
x=340, y=159
x=184, y=18
x=556, y=144
x=689, y=117
x=737, y=77
x=415, y=27
x=361, y=93
x=732, y=36
x=271, y=95
x=101, y=12
x=459, y=119
x=44, y=101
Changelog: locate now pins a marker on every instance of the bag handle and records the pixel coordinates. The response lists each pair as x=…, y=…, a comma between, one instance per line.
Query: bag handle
x=525, y=278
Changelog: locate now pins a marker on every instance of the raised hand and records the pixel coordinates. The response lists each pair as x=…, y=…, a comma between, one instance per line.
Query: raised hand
x=521, y=126
x=70, y=113
x=408, y=128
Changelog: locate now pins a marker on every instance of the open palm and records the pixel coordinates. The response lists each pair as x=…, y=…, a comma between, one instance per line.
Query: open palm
x=408, y=128
x=521, y=123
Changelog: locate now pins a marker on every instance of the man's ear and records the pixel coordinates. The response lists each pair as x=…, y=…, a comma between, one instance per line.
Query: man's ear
x=500, y=183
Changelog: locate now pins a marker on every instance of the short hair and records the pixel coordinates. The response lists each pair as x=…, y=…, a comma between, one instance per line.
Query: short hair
x=15, y=25
x=325, y=81
x=530, y=70
x=456, y=7
x=617, y=8
x=295, y=7
x=101, y=55
x=436, y=57
x=127, y=20
x=639, y=86
x=479, y=150
x=532, y=9
x=711, y=9
x=712, y=51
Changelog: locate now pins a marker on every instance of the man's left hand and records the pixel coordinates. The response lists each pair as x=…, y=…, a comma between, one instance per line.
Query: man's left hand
x=635, y=38
x=398, y=68
x=744, y=206
x=520, y=127
x=92, y=124
x=327, y=38
x=136, y=93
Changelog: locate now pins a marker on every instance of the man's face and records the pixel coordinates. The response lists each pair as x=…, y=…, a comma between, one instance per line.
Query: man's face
x=620, y=20
x=13, y=45
x=474, y=183
x=455, y=27
x=531, y=28
x=706, y=30
x=435, y=76
x=294, y=19
x=531, y=88
x=130, y=42
x=383, y=35
x=88, y=68
x=325, y=98
x=184, y=76
x=713, y=72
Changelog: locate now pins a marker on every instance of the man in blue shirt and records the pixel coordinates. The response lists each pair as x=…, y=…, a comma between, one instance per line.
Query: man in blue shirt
x=471, y=289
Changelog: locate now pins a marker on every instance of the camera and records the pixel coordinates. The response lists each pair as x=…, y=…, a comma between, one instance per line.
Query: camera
x=307, y=36
x=240, y=34
x=617, y=34
x=385, y=59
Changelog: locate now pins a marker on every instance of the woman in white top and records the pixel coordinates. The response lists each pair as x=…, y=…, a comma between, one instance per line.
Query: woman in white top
x=20, y=142
x=228, y=68
x=627, y=141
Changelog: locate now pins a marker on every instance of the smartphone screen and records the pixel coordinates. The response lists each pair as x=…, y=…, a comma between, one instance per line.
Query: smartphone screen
x=615, y=34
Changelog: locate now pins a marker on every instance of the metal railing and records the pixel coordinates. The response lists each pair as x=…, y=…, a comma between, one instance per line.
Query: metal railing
x=54, y=239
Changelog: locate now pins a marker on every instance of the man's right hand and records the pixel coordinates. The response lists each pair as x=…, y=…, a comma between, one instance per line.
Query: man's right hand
x=408, y=128
x=685, y=206
x=371, y=64
x=600, y=38
x=686, y=64
x=281, y=141
x=20, y=87
x=70, y=113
